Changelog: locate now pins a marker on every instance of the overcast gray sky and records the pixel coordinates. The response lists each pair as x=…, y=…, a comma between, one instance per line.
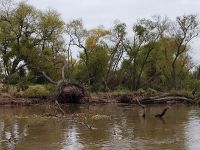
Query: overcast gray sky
x=105, y=12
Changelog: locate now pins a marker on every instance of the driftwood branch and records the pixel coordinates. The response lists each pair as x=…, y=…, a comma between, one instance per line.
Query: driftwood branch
x=87, y=125
x=143, y=107
x=63, y=112
x=138, y=101
x=162, y=113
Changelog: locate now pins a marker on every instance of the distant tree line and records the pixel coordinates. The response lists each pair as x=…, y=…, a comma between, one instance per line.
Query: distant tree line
x=35, y=45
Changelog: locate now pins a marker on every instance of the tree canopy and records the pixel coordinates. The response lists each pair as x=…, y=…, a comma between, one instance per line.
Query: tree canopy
x=37, y=44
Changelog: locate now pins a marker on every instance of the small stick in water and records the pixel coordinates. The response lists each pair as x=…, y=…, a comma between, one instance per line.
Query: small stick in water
x=162, y=113
x=63, y=112
x=144, y=113
x=143, y=107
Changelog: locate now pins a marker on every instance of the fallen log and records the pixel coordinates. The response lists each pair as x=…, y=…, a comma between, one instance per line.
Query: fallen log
x=166, y=99
x=163, y=98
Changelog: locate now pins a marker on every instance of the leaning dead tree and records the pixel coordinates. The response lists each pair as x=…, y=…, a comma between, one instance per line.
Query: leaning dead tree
x=68, y=92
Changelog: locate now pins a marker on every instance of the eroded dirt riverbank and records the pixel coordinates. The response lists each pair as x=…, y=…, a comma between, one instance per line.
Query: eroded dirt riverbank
x=130, y=98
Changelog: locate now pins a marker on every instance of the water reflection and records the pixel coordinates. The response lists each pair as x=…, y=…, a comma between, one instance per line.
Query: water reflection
x=72, y=139
x=192, y=130
x=21, y=128
x=10, y=134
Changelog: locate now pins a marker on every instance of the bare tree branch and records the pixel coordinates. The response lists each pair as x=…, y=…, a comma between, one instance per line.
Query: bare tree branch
x=48, y=78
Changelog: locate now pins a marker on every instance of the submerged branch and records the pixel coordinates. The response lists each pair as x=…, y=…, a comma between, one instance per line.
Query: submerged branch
x=162, y=113
x=143, y=107
x=138, y=101
x=63, y=112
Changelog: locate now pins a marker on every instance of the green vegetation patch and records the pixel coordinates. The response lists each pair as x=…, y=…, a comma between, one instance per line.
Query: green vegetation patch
x=36, y=91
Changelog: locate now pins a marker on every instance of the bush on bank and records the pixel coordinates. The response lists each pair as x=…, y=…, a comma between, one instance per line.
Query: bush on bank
x=36, y=91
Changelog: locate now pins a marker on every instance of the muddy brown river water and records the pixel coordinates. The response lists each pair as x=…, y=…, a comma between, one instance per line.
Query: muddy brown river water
x=121, y=127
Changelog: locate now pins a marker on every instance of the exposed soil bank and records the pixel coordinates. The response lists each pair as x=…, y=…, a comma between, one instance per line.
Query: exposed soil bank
x=135, y=98
x=6, y=99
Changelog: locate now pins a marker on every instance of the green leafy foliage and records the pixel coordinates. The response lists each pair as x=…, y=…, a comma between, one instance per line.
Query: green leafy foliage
x=155, y=55
x=36, y=91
